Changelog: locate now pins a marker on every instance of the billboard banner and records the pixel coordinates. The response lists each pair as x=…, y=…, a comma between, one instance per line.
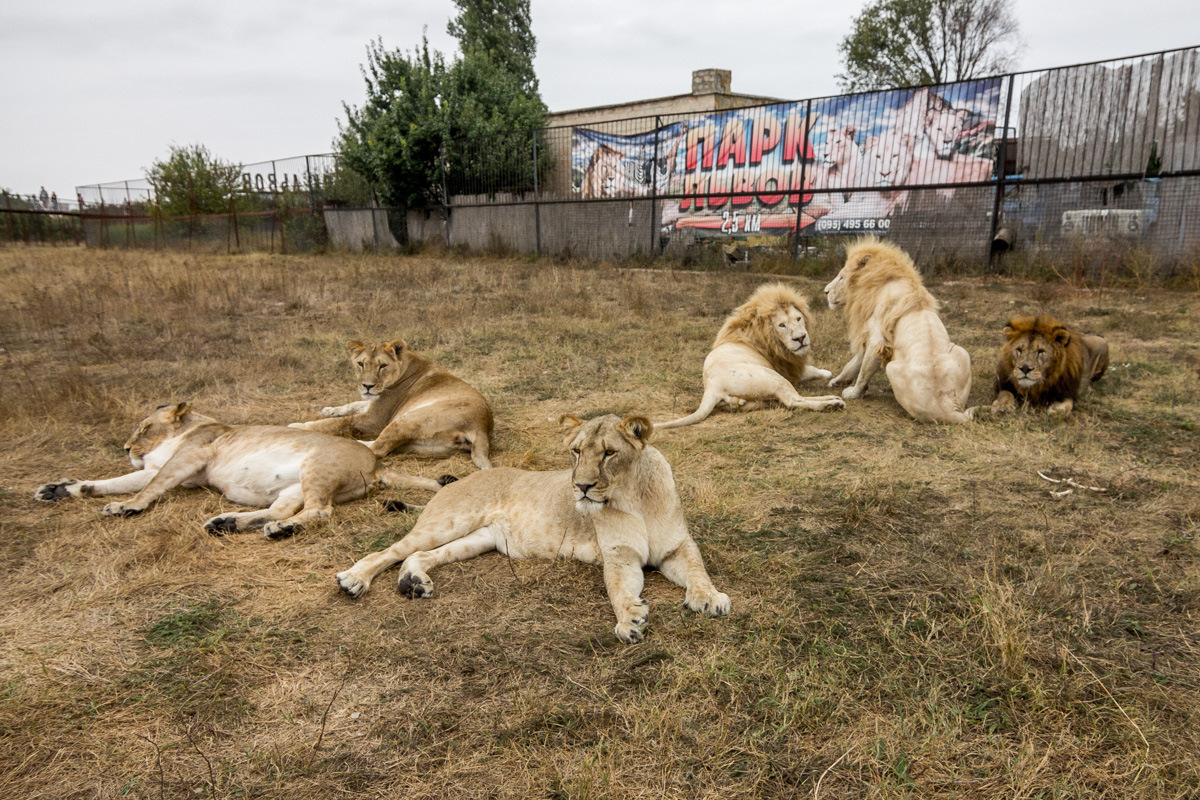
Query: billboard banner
x=748, y=171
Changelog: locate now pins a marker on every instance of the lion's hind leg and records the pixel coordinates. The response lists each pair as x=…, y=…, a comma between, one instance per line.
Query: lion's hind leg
x=414, y=579
x=290, y=501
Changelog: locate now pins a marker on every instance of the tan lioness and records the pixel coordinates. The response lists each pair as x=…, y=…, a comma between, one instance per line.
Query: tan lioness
x=616, y=507
x=299, y=475
x=409, y=405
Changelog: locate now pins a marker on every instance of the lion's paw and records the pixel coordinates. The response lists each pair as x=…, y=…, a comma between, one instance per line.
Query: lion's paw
x=416, y=585
x=281, y=530
x=219, y=526
x=331, y=411
x=631, y=632
x=351, y=584
x=53, y=492
x=836, y=382
x=852, y=393
x=715, y=604
x=445, y=480
x=836, y=404
x=120, y=510
x=301, y=425
x=824, y=374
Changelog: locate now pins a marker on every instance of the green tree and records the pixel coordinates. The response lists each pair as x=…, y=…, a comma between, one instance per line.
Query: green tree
x=193, y=181
x=475, y=115
x=502, y=30
x=913, y=42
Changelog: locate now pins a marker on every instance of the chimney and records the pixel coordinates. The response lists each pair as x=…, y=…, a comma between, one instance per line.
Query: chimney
x=711, y=81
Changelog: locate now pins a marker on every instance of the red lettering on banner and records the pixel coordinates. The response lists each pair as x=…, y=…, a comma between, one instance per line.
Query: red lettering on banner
x=764, y=137
x=776, y=177
x=706, y=134
x=795, y=142
x=715, y=186
x=733, y=143
x=693, y=186
x=743, y=181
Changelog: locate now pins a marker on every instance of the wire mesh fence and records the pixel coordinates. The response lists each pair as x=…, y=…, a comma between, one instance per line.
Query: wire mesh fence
x=1102, y=156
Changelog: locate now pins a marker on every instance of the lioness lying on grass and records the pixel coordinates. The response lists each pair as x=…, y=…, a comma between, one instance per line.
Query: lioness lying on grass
x=299, y=475
x=616, y=507
x=409, y=405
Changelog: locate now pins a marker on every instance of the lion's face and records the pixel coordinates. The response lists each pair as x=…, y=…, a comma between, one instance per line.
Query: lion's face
x=604, y=451
x=839, y=146
x=890, y=162
x=154, y=430
x=835, y=290
x=379, y=366
x=1034, y=356
x=945, y=126
x=792, y=329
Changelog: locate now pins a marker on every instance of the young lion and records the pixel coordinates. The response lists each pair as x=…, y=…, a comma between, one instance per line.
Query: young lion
x=616, y=507
x=1045, y=363
x=892, y=319
x=298, y=474
x=410, y=405
x=760, y=354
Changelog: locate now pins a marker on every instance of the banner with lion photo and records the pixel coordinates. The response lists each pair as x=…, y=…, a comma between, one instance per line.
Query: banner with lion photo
x=740, y=172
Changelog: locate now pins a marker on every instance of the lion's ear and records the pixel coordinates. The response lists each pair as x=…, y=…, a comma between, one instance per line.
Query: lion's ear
x=355, y=346
x=180, y=411
x=570, y=425
x=397, y=346
x=1061, y=336
x=638, y=429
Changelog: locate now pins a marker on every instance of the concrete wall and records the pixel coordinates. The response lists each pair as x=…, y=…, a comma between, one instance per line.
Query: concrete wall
x=354, y=229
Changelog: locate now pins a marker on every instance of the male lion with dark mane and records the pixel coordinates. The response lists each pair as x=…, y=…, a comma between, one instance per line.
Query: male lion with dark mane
x=892, y=320
x=1045, y=363
x=409, y=405
x=616, y=507
x=760, y=354
x=296, y=475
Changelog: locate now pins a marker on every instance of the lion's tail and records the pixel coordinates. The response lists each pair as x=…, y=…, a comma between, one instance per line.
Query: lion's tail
x=388, y=478
x=707, y=404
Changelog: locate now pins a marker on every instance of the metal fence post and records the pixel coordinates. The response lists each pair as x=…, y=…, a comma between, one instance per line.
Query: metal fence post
x=374, y=221
x=803, y=166
x=654, y=184
x=537, y=206
x=312, y=200
x=1002, y=156
x=445, y=194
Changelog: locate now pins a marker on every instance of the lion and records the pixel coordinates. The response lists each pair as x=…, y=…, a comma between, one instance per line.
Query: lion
x=616, y=507
x=409, y=405
x=604, y=176
x=760, y=354
x=298, y=475
x=1045, y=363
x=892, y=319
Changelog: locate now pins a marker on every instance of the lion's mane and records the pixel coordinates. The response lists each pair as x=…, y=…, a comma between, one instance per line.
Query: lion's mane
x=1061, y=380
x=750, y=324
x=877, y=264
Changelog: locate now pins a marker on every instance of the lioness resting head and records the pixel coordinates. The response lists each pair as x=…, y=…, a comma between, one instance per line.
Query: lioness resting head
x=409, y=405
x=891, y=318
x=1045, y=363
x=616, y=507
x=299, y=475
x=760, y=354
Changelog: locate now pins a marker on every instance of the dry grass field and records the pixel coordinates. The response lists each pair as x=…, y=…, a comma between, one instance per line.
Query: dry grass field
x=914, y=613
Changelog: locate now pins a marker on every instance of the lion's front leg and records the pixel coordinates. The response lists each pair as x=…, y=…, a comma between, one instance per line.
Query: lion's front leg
x=685, y=567
x=359, y=407
x=623, y=580
x=335, y=426
x=811, y=373
x=182, y=466
x=848, y=373
x=1005, y=401
x=870, y=365
x=68, y=487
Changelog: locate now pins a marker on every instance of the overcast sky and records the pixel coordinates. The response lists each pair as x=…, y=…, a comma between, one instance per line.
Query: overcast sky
x=93, y=92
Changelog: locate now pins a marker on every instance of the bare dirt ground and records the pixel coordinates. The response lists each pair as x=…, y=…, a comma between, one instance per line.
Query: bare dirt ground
x=914, y=613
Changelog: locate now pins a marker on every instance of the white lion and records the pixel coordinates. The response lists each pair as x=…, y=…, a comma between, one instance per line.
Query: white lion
x=892, y=319
x=760, y=354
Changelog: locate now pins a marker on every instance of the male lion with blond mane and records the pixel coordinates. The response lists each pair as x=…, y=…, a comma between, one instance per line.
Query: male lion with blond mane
x=1045, y=363
x=409, y=405
x=892, y=319
x=616, y=507
x=297, y=474
x=760, y=354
